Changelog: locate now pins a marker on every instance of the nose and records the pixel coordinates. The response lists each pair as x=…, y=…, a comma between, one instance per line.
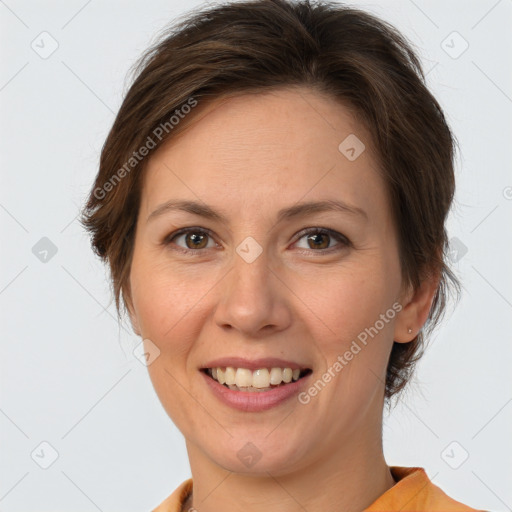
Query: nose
x=253, y=298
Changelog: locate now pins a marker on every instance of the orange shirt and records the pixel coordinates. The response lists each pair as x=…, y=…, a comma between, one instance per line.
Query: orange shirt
x=413, y=492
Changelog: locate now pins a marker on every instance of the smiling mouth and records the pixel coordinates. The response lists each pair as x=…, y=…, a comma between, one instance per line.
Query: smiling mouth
x=263, y=379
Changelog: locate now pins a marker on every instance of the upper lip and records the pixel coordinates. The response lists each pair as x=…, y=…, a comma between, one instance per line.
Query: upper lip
x=254, y=364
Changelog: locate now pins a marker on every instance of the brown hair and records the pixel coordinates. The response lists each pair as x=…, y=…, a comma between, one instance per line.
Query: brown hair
x=253, y=46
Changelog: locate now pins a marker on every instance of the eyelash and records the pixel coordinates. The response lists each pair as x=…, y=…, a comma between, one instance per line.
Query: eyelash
x=345, y=242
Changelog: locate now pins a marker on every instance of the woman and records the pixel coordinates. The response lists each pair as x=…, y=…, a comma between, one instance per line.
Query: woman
x=271, y=202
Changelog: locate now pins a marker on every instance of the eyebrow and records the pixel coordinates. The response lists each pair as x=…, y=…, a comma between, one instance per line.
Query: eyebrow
x=297, y=210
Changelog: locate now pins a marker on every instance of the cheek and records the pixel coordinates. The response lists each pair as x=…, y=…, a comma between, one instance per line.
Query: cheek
x=165, y=296
x=168, y=305
x=349, y=308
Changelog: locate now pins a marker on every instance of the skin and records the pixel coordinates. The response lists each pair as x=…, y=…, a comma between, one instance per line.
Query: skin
x=248, y=156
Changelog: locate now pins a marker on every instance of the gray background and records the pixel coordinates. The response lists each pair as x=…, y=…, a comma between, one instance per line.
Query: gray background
x=68, y=374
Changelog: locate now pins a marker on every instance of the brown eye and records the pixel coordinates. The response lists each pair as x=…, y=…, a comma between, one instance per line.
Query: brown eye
x=320, y=239
x=193, y=239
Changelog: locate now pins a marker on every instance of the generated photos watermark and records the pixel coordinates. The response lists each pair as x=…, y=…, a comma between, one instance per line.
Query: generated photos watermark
x=343, y=360
x=149, y=144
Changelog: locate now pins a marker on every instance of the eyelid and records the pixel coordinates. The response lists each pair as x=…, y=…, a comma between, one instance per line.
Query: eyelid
x=317, y=229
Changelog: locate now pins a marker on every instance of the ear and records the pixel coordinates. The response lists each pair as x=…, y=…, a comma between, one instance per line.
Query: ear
x=415, y=308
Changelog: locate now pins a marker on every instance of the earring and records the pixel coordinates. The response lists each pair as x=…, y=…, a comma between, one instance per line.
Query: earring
x=409, y=330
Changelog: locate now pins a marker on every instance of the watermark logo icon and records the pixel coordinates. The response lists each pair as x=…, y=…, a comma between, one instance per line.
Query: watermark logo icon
x=249, y=249
x=455, y=455
x=44, y=455
x=146, y=352
x=44, y=45
x=249, y=454
x=351, y=147
x=454, y=45
x=44, y=250
x=457, y=249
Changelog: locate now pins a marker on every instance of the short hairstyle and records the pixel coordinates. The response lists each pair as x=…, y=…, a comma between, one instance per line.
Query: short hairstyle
x=256, y=46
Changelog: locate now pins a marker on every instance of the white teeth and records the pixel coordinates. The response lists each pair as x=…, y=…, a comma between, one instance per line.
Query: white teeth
x=276, y=376
x=287, y=375
x=229, y=375
x=260, y=379
x=243, y=378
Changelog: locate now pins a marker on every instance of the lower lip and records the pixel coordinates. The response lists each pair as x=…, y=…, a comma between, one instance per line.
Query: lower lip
x=254, y=401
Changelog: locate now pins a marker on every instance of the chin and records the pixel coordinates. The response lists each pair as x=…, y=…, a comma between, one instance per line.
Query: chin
x=258, y=455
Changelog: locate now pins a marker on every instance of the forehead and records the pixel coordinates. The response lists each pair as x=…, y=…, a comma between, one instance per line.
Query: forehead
x=282, y=145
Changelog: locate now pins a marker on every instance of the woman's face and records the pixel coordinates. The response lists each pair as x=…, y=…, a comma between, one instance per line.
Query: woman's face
x=257, y=283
